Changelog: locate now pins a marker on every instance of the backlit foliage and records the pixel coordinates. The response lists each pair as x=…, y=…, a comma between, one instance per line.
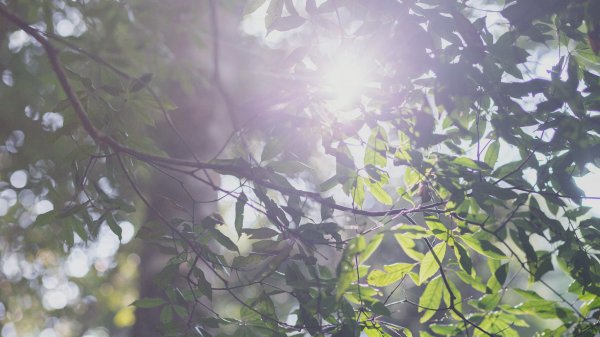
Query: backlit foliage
x=434, y=194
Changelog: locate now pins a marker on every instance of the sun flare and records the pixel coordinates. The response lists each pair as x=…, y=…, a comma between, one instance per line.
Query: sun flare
x=345, y=81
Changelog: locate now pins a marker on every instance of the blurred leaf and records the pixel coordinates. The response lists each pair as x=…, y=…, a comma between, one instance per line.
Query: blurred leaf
x=252, y=6
x=146, y=303
x=141, y=82
x=239, y=212
x=260, y=233
x=166, y=314
x=114, y=227
x=273, y=13
x=223, y=239
x=287, y=23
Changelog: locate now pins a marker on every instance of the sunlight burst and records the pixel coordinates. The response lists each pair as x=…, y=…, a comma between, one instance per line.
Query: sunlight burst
x=345, y=81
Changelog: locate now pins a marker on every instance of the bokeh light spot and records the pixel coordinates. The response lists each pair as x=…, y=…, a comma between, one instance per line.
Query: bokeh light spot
x=345, y=80
x=43, y=206
x=124, y=317
x=18, y=179
x=77, y=263
x=128, y=231
x=54, y=300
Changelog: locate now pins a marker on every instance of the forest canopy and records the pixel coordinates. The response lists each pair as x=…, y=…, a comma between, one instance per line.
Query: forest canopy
x=294, y=168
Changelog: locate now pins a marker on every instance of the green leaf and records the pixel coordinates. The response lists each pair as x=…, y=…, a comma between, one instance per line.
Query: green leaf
x=412, y=231
x=358, y=192
x=547, y=309
x=260, y=233
x=470, y=163
x=223, y=240
x=528, y=294
x=294, y=276
x=483, y=247
x=429, y=266
x=166, y=314
x=273, y=12
x=371, y=248
x=252, y=6
x=491, y=154
x=523, y=239
x=376, y=148
x=203, y=285
x=437, y=228
x=72, y=210
x=329, y=184
x=464, y=260
x=272, y=149
x=446, y=330
x=261, y=306
x=489, y=302
x=373, y=332
x=501, y=273
x=181, y=311
x=249, y=261
x=431, y=298
x=148, y=302
x=67, y=233
x=286, y=23
x=346, y=269
x=212, y=220
x=455, y=292
x=79, y=229
x=411, y=177
x=141, y=82
x=379, y=193
x=408, y=246
x=380, y=309
x=239, y=212
x=122, y=205
x=326, y=211
x=474, y=281
x=114, y=227
x=392, y=274
x=289, y=167
x=481, y=189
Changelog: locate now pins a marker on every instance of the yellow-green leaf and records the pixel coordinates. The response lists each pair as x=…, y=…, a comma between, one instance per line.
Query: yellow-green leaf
x=431, y=299
x=408, y=246
x=380, y=194
x=483, y=247
x=371, y=248
x=393, y=273
x=429, y=265
x=491, y=155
